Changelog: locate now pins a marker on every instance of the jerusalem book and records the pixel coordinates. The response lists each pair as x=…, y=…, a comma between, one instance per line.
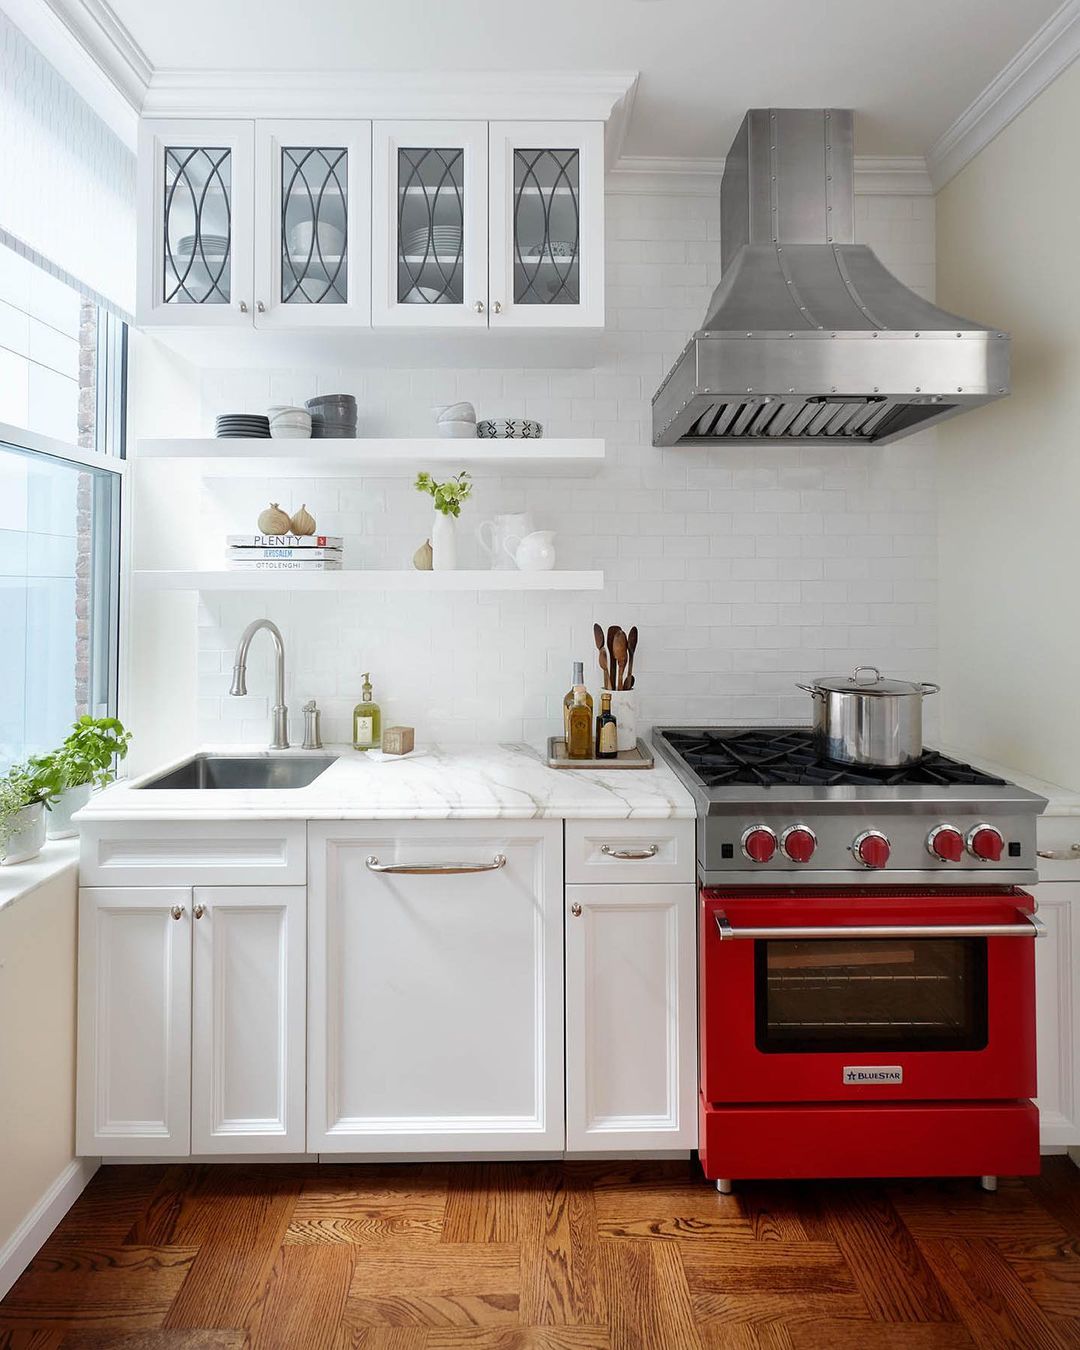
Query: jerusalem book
x=284, y=540
x=242, y=553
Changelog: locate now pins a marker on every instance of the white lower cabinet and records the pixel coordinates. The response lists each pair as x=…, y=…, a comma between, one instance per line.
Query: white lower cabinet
x=134, y=1043
x=435, y=1012
x=248, y=1013
x=631, y=1025
x=1057, y=958
x=191, y=1020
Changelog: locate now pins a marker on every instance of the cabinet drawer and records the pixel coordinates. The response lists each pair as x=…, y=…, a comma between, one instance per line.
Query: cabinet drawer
x=629, y=850
x=206, y=852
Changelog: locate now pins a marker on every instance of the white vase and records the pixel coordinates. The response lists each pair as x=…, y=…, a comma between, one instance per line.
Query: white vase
x=443, y=543
x=624, y=710
x=27, y=839
x=58, y=819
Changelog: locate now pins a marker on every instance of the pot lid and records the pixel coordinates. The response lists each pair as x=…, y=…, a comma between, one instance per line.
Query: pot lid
x=869, y=680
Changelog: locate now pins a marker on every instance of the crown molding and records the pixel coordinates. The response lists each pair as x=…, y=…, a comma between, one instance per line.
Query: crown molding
x=597, y=95
x=1038, y=63
x=90, y=48
x=875, y=175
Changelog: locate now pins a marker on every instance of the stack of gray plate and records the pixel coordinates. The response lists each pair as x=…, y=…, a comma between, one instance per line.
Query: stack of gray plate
x=333, y=416
x=244, y=426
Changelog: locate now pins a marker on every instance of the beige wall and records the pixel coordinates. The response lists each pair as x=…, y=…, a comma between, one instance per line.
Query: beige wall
x=37, y=1045
x=1008, y=239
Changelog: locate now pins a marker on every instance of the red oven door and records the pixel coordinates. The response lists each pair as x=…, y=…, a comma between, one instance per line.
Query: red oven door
x=820, y=995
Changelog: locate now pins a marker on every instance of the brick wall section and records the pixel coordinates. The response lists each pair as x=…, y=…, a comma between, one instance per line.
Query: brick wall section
x=745, y=568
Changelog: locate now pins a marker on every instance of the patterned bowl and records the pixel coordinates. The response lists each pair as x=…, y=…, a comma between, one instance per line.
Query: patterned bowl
x=509, y=428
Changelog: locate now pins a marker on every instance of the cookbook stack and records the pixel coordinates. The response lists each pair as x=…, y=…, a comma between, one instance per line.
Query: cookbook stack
x=284, y=552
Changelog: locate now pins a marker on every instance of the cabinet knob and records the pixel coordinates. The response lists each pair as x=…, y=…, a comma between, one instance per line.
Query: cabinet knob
x=260, y=306
x=479, y=306
x=199, y=911
x=496, y=308
x=177, y=911
x=243, y=306
x=575, y=910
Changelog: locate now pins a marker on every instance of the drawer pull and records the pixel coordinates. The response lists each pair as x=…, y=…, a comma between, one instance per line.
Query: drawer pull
x=454, y=869
x=630, y=854
x=1070, y=854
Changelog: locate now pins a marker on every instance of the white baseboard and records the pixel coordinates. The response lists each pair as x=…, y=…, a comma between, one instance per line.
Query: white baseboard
x=27, y=1240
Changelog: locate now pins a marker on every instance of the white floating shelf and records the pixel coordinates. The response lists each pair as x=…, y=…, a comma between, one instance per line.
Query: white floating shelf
x=372, y=457
x=404, y=580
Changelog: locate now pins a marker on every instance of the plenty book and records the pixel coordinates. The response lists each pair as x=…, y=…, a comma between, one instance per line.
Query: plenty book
x=284, y=541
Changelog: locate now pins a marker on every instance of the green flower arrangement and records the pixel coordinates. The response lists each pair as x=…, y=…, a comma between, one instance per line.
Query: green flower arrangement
x=447, y=496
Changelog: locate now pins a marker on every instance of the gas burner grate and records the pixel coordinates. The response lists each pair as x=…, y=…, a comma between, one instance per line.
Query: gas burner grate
x=764, y=757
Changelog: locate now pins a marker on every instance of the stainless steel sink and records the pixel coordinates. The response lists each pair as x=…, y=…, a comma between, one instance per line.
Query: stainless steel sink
x=243, y=771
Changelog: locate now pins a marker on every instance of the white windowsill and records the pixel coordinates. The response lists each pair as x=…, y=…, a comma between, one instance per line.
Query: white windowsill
x=20, y=879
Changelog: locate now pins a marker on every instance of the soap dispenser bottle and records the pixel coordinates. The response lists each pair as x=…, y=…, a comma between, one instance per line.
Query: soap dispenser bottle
x=366, y=720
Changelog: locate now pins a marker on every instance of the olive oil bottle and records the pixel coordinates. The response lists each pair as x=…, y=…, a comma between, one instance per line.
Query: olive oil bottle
x=366, y=720
x=568, y=701
x=607, y=734
x=579, y=726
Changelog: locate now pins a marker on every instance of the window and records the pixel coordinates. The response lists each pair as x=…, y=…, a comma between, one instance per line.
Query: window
x=62, y=389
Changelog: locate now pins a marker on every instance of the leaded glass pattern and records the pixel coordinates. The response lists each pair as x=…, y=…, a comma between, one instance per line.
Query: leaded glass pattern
x=431, y=226
x=314, y=225
x=197, y=222
x=547, y=227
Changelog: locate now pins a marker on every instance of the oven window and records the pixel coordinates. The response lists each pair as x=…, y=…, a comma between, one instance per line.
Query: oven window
x=871, y=994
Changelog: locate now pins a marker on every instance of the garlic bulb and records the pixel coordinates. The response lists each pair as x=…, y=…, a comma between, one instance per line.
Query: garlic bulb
x=303, y=523
x=421, y=559
x=273, y=520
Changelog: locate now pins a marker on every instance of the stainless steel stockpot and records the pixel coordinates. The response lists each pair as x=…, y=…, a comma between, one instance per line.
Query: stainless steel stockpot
x=871, y=721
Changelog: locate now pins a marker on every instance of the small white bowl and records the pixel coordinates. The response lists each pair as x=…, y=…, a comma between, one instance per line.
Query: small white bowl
x=456, y=412
x=462, y=430
x=280, y=433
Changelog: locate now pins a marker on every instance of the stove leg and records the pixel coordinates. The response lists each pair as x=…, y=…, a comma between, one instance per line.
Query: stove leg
x=988, y=1183
x=724, y=1185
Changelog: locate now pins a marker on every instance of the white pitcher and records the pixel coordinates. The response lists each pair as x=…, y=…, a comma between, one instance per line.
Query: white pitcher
x=500, y=537
x=536, y=552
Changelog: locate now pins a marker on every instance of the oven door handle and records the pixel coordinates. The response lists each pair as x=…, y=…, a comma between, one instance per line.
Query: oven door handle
x=1031, y=927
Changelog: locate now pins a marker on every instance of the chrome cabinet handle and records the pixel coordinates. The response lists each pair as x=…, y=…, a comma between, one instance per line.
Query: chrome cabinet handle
x=496, y=308
x=260, y=306
x=177, y=911
x=630, y=854
x=479, y=306
x=1071, y=854
x=1031, y=927
x=243, y=306
x=453, y=869
x=199, y=911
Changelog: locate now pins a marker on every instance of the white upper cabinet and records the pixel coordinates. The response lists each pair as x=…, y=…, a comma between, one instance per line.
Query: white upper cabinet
x=429, y=261
x=312, y=224
x=546, y=201
x=317, y=224
x=195, y=223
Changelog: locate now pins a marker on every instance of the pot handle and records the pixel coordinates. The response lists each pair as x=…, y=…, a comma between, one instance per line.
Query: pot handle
x=855, y=674
x=928, y=687
x=811, y=689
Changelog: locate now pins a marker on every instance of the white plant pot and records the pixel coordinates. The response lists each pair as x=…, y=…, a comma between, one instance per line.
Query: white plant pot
x=28, y=837
x=443, y=543
x=58, y=820
x=624, y=710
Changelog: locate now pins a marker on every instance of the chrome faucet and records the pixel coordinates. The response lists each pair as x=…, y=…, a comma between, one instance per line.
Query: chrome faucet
x=239, y=678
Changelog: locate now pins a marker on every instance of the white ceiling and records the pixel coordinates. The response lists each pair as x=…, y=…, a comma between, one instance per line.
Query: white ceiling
x=908, y=67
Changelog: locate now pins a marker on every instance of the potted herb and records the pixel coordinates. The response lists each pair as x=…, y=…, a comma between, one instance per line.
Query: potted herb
x=448, y=498
x=22, y=815
x=83, y=762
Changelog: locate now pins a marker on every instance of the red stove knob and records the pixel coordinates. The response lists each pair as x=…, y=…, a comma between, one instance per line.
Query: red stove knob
x=872, y=848
x=945, y=842
x=759, y=843
x=799, y=843
x=985, y=843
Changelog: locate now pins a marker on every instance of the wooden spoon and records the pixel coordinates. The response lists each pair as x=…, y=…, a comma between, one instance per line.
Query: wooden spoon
x=598, y=638
x=631, y=647
x=611, y=653
x=620, y=648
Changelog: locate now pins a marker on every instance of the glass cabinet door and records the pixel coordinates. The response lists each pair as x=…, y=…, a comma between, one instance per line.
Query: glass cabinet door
x=195, y=223
x=547, y=202
x=313, y=206
x=429, y=238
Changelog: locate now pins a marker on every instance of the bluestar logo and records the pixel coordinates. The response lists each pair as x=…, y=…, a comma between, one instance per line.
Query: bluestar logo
x=856, y=1074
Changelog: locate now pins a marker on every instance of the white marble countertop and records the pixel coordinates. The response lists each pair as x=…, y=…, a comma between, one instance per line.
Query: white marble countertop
x=1060, y=801
x=435, y=782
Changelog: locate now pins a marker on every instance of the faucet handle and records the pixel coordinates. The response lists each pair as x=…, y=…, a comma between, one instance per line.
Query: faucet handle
x=312, y=735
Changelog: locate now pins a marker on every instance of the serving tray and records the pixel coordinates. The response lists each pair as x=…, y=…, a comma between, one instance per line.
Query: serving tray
x=639, y=758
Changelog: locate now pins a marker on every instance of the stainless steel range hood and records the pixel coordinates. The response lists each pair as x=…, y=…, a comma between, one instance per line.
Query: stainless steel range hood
x=808, y=337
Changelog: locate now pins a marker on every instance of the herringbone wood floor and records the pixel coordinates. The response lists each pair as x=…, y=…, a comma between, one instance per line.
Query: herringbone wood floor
x=549, y=1257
